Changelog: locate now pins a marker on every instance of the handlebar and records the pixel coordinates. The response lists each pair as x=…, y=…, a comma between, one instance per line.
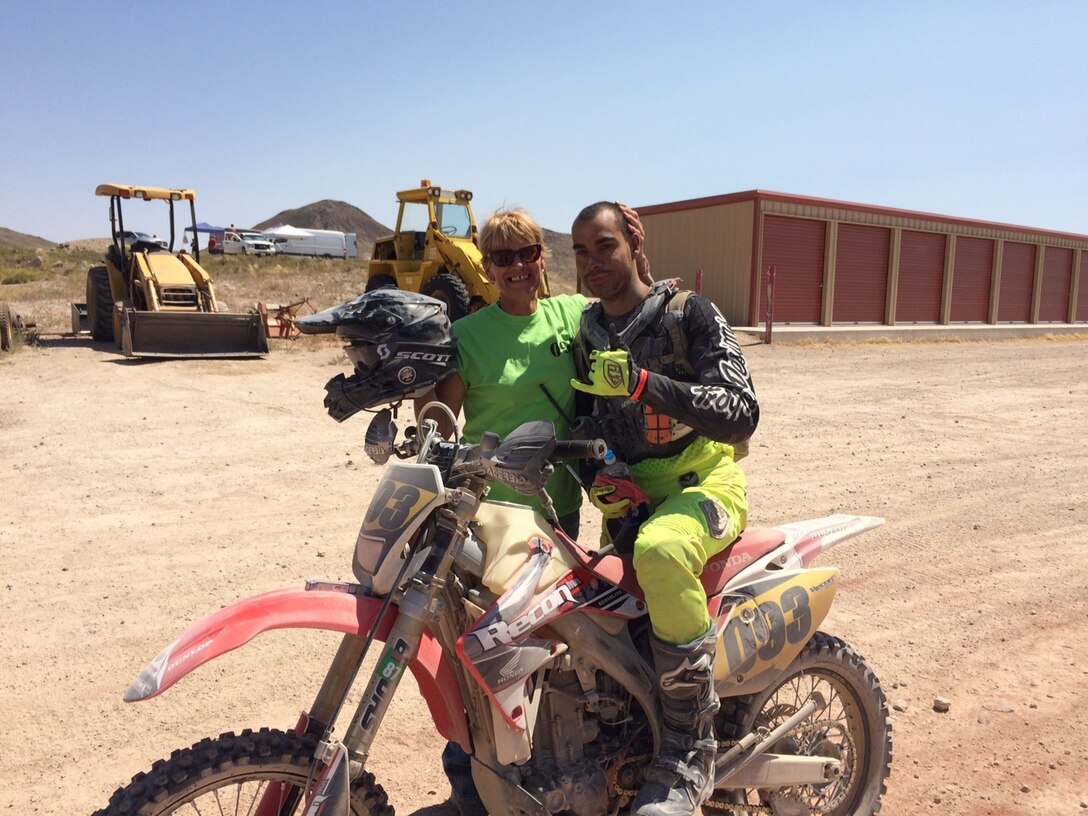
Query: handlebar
x=580, y=449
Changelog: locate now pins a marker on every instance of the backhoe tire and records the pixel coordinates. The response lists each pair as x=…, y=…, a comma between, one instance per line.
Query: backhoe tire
x=380, y=282
x=233, y=771
x=854, y=728
x=6, y=333
x=99, y=304
x=450, y=290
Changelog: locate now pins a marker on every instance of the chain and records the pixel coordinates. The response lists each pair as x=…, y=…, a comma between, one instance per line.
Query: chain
x=634, y=763
x=739, y=810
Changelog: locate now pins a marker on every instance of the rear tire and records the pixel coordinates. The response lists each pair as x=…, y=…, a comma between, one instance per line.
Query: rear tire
x=236, y=771
x=380, y=282
x=6, y=333
x=854, y=728
x=99, y=304
x=450, y=290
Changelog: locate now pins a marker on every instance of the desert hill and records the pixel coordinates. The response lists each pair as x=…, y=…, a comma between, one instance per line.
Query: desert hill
x=10, y=239
x=331, y=215
x=561, y=271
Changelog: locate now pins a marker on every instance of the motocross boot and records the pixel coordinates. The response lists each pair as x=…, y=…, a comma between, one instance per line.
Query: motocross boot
x=682, y=776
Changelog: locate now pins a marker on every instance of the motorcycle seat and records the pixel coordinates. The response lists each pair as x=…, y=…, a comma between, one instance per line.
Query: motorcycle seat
x=752, y=544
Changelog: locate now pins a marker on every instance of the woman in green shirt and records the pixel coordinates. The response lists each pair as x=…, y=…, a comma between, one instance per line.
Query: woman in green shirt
x=509, y=354
x=513, y=355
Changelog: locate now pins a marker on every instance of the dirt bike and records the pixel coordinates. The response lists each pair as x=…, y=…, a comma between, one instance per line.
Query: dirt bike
x=532, y=653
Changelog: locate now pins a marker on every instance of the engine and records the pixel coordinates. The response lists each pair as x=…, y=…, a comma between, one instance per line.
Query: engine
x=587, y=725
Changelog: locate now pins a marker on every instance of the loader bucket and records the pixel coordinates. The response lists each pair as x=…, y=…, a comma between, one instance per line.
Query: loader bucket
x=192, y=334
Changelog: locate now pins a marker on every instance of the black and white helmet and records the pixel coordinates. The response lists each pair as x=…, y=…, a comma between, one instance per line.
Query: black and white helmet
x=399, y=342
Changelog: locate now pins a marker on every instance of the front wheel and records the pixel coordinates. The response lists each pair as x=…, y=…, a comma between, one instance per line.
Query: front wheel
x=6, y=336
x=233, y=774
x=99, y=304
x=450, y=289
x=853, y=728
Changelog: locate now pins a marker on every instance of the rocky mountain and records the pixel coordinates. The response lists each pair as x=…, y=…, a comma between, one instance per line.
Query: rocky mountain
x=561, y=271
x=332, y=215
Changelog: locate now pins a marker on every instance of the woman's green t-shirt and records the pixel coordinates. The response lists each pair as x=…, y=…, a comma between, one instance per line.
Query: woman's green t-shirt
x=504, y=360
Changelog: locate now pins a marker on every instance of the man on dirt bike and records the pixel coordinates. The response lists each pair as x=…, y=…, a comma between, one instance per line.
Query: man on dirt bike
x=673, y=397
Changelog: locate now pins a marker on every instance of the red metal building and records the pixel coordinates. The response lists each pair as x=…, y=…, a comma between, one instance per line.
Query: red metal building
x=842, y=263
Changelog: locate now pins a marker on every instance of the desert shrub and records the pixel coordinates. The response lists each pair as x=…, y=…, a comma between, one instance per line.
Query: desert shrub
x=14, y=276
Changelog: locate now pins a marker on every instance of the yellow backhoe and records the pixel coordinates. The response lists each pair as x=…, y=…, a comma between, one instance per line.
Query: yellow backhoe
x=154, y=302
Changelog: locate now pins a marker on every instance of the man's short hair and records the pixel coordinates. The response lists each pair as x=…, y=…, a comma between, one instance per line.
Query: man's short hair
x=593, y=210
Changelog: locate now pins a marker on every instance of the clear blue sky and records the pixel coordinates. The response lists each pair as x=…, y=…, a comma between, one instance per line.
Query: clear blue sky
x=974, y=109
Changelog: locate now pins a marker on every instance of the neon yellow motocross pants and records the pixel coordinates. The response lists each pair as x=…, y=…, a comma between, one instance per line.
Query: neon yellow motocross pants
x=689, y=525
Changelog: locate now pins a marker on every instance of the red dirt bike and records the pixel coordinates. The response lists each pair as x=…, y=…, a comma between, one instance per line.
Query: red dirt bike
x=532, y=654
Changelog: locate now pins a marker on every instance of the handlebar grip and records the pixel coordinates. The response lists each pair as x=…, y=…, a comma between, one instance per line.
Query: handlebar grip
x=580, y=449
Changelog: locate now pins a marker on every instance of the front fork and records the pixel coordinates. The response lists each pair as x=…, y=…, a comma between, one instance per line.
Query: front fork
x=418, y=607
x=415, y=610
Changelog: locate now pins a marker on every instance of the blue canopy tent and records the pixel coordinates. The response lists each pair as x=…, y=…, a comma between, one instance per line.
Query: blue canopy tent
x=204, y=226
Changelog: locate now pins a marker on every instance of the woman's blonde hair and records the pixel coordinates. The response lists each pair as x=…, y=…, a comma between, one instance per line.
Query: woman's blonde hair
x=510, y=227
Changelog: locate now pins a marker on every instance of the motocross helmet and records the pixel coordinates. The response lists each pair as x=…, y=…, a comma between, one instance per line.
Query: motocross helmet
x=399, y=343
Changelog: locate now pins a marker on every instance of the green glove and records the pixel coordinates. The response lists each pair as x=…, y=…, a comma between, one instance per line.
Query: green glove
x=612, y=374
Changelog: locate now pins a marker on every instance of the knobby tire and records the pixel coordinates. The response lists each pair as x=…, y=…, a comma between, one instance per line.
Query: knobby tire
x=854, y=697
x=228, y=774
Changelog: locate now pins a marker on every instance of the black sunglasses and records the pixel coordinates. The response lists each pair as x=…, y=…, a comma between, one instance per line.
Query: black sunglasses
x=505, y=257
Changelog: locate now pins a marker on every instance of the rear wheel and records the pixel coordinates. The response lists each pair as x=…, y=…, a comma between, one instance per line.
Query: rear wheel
x=99, y=304
x=232, y=774
x=6, y=334
x=451, y=290
x=853, y=728
x=380, y=282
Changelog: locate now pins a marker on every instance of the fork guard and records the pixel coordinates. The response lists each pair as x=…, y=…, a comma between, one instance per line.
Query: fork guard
x=237, y=624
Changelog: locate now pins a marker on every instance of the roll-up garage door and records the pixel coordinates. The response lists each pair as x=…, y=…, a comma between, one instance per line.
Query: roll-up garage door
x=1082, y=292
x=795, y=248
x=1017, y=283
x=1057, y=277
x=971, y=280
x=861, y=274
x=921, y=277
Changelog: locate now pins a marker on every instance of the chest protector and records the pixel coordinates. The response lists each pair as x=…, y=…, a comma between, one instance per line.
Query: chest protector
x=654, y=335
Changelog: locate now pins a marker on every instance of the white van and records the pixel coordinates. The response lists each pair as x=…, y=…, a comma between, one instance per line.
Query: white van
x=319, y=244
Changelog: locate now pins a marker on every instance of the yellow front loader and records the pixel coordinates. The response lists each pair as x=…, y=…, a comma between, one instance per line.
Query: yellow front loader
x=435, y=251
x=154, y=302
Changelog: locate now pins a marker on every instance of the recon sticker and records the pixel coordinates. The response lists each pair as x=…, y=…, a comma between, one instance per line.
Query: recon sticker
x=717, y=518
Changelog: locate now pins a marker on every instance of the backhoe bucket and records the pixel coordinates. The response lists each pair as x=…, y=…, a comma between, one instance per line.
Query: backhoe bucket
x=192, y=334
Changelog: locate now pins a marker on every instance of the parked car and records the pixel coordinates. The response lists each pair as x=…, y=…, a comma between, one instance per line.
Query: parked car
x=247, y=242
x=131, y=237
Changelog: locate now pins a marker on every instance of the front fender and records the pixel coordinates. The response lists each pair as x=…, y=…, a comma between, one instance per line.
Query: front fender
x=239, y=623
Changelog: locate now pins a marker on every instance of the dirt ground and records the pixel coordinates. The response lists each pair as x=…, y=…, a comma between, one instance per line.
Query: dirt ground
x=135, y=497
